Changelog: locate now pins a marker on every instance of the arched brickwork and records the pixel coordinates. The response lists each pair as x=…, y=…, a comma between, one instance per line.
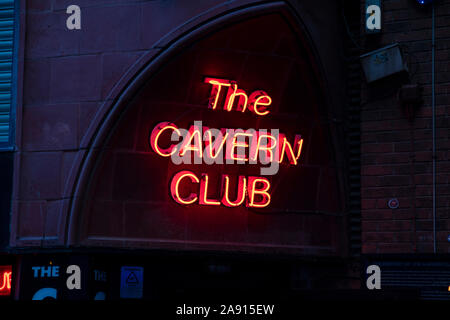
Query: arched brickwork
x=277, y=54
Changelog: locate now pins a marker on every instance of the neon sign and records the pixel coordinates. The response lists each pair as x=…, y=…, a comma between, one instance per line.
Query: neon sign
x=262, y=144
x=250, y=187
x=5, y=280
x=213, y=145
x=258, y=101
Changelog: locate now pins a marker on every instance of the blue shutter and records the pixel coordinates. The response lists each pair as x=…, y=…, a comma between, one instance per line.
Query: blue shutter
x=7, y=15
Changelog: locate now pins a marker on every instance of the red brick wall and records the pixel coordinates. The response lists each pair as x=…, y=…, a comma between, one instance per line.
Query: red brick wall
x=397, y=153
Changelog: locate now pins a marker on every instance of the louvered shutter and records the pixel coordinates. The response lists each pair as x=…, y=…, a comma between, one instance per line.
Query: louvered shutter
x=6, y=61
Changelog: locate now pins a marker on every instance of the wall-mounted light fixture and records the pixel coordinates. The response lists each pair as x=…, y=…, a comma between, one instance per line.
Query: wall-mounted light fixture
x=383, y=62
x=424, y=2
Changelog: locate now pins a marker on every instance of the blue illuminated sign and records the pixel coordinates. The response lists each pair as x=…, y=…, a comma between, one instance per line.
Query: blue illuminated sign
x=131, y=282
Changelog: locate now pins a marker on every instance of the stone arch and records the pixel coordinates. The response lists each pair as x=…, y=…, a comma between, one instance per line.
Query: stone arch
x=172, y=44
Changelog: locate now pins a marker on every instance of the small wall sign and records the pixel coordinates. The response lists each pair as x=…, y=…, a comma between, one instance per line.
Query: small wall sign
x=393, y=203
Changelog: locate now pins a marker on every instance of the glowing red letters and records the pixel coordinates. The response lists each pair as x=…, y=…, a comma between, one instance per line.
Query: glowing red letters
x=256, y=189
x=258, y=101
x=5, y=280
x=262, y=144
x=187, y=188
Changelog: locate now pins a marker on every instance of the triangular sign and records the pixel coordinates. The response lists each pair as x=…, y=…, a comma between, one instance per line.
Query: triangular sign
x=132, y=279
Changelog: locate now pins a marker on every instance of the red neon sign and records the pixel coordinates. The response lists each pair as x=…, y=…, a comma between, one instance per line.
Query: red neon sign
x=276, y=146
x=258, y=101
x=236, y=144
x=242, y=190
x=5, y=280
x=204, y=193
x=263, y=192
x=192, y=142
x=174, y=187
x=218, y=144
x=257, y=187
x=156, y=133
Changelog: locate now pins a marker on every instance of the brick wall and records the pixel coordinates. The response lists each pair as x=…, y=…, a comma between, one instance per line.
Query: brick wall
x=397, y=153
x=71, y=79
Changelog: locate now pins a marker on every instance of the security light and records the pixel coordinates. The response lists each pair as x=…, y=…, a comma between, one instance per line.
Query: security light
x=424, y=2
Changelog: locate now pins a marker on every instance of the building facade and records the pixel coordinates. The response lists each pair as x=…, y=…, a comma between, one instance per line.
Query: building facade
x=114, y=187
